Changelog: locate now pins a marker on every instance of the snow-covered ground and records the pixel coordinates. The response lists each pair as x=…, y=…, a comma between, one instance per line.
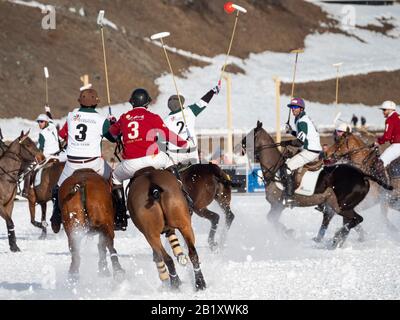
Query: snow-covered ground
x=255, y=264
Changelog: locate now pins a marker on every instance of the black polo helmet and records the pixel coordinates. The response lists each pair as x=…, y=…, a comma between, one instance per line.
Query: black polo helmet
x=140, y=98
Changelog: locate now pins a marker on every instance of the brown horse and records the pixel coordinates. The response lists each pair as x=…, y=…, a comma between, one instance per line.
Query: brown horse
x=205, y=183
x=87, y=207
x=21, y=152
x=157, y=205
x=354, y=150
x=41, y=194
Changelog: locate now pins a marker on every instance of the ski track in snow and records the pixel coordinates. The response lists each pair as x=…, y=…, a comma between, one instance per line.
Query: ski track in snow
x=255, y=264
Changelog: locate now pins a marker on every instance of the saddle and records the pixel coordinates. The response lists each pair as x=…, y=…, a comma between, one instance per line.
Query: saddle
x=36, y=178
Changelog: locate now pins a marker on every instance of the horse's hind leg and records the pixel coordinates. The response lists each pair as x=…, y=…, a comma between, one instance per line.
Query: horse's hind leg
x=174, y=278
x=273, y=217
x=214, y=219
x=156, y=245
x=103, y=268
x=74, y=240
x=176, y=247
x=328, y=214
x=352, y=220
x=224, y=201
x=117, y=269
x=187, y=233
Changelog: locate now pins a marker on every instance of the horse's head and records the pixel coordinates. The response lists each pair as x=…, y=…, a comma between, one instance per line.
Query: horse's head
x=347, y=146
x=249, y=142
x=28, y=151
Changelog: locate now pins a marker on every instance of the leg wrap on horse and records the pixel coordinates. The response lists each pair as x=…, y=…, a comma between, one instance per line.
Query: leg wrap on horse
x=56, y=217
x=121, y=221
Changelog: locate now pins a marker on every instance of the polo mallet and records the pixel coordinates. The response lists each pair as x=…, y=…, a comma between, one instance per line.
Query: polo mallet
x=160, y=36
x=230, y=7
x=100, y=20
x=337, y=66
x=297, y=52
x=46, y=77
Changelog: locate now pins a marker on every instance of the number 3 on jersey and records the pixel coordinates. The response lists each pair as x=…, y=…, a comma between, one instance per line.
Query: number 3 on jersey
x=134, y=130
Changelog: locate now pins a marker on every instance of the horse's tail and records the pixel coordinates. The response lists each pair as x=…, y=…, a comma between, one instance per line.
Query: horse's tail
x=223, y=177
x=383, y=184
x=155, y=192
x=80, y=188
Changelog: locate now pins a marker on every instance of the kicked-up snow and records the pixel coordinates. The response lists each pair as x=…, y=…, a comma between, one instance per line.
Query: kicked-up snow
x=256, y=262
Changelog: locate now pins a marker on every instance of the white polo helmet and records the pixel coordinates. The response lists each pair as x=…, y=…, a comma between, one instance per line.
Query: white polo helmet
x=343, y=127
x=42, y=117
x=388, y=105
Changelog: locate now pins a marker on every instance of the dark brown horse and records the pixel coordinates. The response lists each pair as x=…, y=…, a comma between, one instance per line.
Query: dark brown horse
x=205, y=183
x=352, y=149
x=41, y=194
x=87, y=207
x=21, y=152
x=340, y=187
x=157, y=205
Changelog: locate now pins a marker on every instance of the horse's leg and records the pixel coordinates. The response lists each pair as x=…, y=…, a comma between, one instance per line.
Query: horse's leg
x=214, y=219
x=43, y=224
x=359, y=229
x=5, y=212
x=156, y=245
x=103, y=268
x=174, y=278
x=188, y=234
x=176, y=247
x=32, y=208
x=328, y=214
x=74, y=240
x=224, y=201
x=352, y=220
x=109, y=239
x=273, y=217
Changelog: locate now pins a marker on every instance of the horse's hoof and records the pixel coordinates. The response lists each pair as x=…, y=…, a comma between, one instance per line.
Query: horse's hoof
x=119, y=275
x=44, y=224
x=73, y=279
x=43, y=237
x=200, y=284
x=104, y=273
x=213, y=245
x=317, y=239
x=182, y=259
x=15, y=249
x=175, y=282
x=55, y=227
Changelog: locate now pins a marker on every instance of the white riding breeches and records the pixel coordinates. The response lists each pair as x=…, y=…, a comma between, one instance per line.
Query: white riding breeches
x=390, y=154
x=99, y=165
x=184, y=158
x=301, y=159
x=127, y=168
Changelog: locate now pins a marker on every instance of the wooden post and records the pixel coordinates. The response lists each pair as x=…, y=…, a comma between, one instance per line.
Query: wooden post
x=85, y=80
x=278, y=109
x=229, y=148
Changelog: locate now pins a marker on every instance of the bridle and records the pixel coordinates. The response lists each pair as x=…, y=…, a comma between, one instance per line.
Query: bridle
x=257, y=152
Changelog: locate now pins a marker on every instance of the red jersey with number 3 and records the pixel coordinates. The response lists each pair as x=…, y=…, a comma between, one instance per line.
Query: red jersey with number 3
x=140, y=128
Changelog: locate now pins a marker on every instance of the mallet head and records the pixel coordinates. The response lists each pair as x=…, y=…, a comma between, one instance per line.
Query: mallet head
x=160, y=35
x=300, y=50
x=338, y=65
x=239, y=8
x=100, y=17
x=46, y=72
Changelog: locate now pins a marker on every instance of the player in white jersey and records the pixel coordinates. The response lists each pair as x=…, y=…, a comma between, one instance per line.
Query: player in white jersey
x=84, y=130
x=47, y=143
x=176, y=123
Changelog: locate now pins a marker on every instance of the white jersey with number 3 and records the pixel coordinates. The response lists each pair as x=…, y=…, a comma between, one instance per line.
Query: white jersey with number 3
x=85, y=130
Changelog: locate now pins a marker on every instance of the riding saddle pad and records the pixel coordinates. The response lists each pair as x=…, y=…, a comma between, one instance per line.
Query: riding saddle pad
x=306, y=179
x=37, y=180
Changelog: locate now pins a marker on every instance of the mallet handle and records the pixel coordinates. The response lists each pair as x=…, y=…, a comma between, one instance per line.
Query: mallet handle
x=230, y=44
x=106, y=69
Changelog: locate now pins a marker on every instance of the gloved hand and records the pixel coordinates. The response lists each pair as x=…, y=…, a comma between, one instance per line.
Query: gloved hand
x=217, y=88
x=47, y=108
x=288, y=128
x=112, y=119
